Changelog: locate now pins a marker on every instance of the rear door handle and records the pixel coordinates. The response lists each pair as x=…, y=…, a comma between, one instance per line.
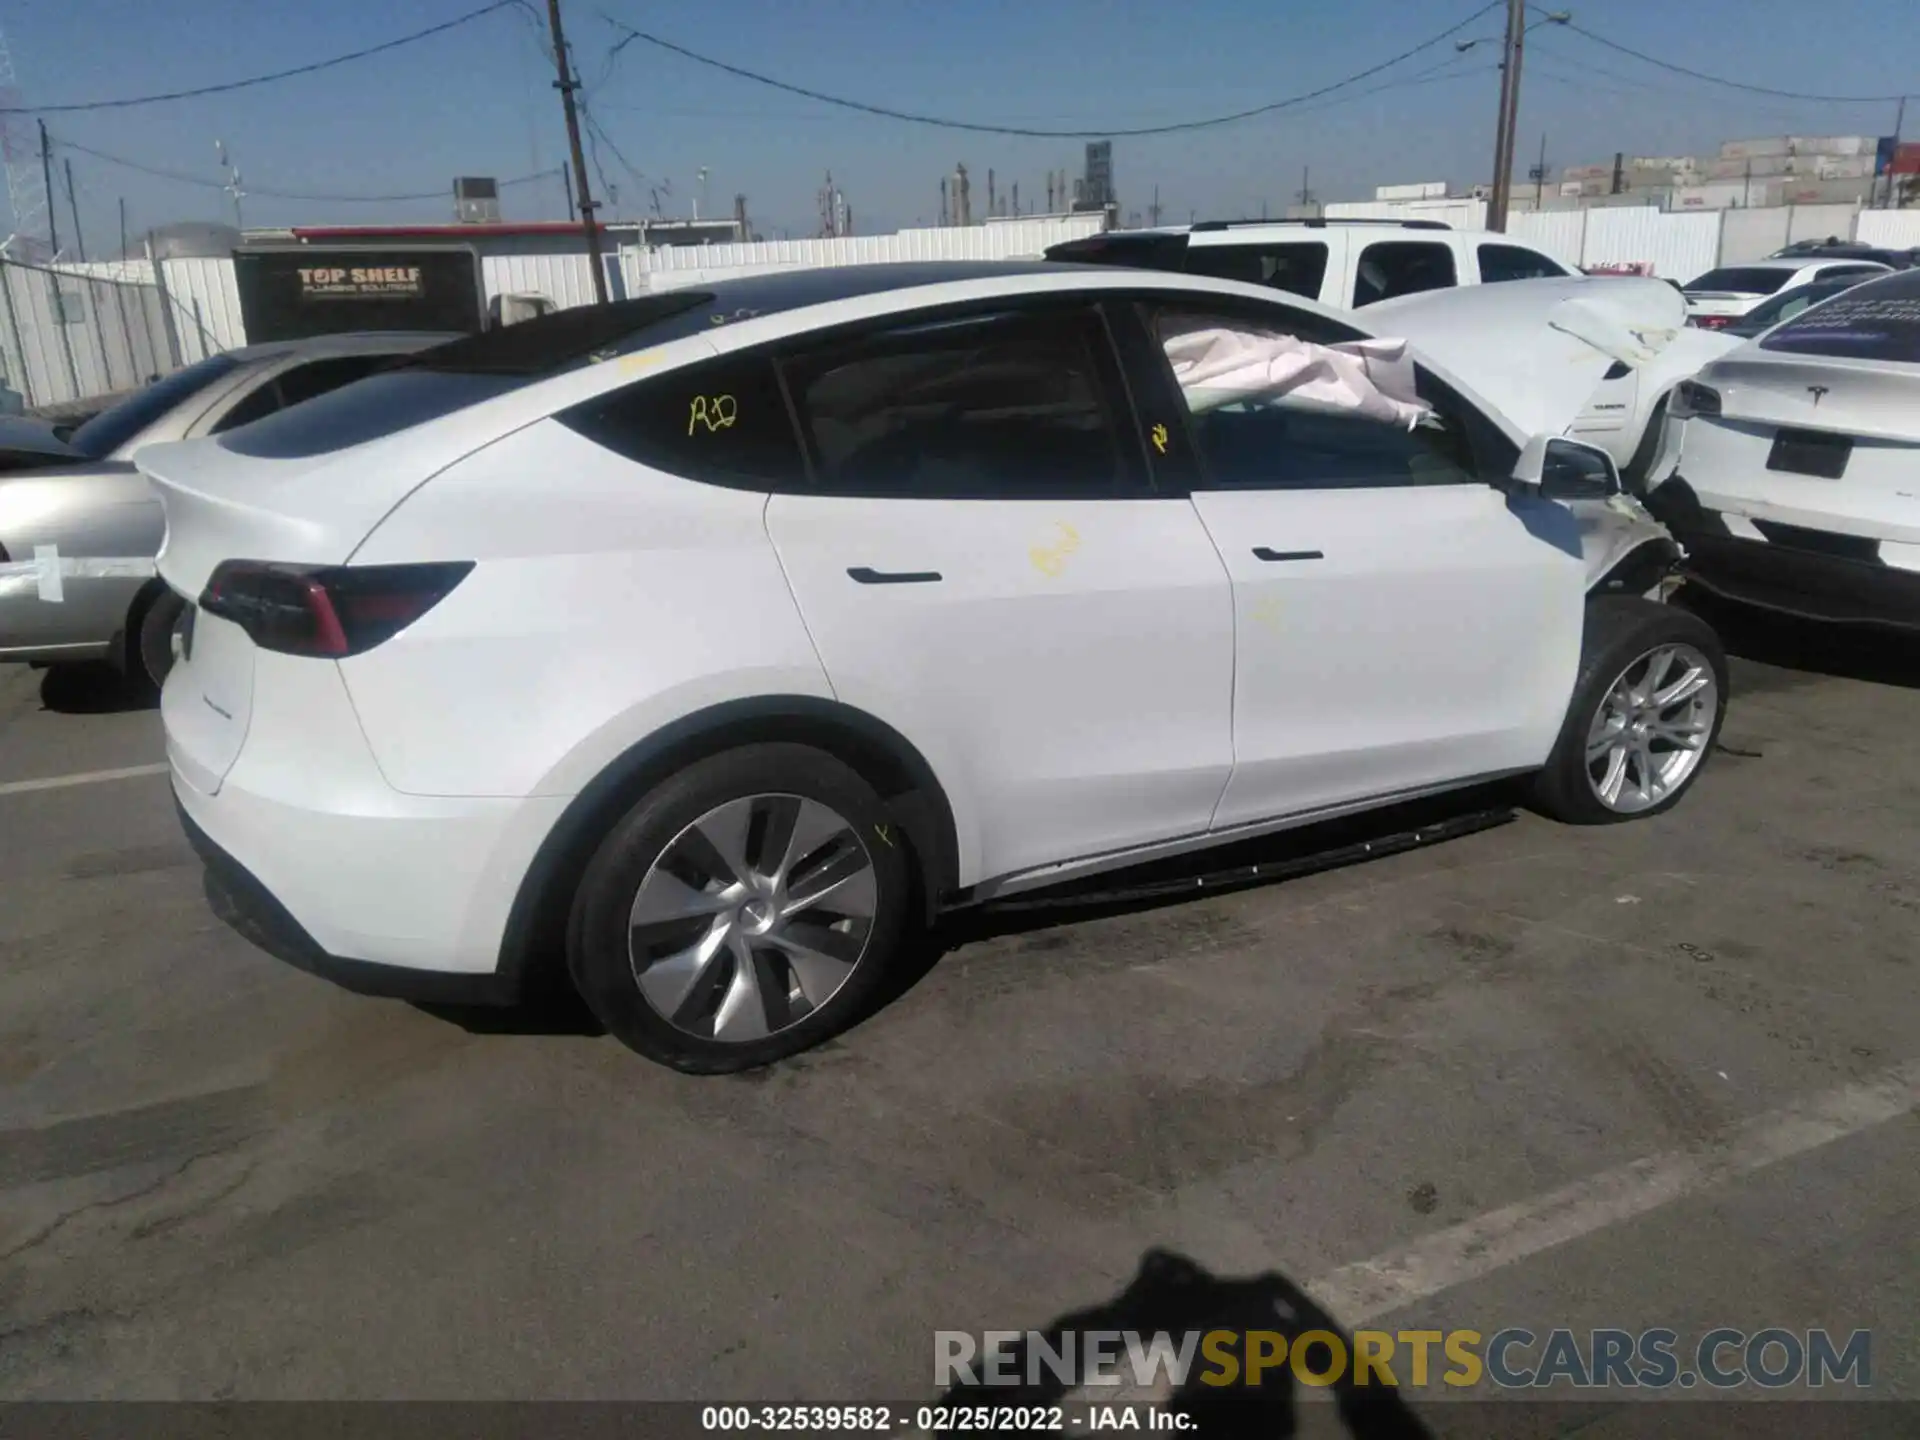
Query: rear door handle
x=1261, y=552
x=894, y=577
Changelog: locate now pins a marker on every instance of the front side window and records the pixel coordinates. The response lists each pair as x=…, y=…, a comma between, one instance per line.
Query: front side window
x=1268, y=410
x=1299, y=269
x=1019, y=405
x=722, y=421
x=1515, y=262
x=1390, y=268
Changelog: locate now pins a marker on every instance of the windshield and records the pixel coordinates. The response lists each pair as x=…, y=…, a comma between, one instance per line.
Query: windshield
x=1742, y=279
x=110, y=429
x=1877, y=321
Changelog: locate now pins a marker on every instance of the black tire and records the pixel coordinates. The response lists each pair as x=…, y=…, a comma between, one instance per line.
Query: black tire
x=1620, y=631
x=154, y=639
x=1634, y=477
x=598, y=953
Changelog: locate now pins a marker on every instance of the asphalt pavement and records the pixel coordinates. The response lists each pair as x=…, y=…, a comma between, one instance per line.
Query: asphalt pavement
x=1650, y=1075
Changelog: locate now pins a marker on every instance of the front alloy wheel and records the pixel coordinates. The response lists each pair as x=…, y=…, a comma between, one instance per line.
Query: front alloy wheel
x=1648, y=701
x=1652, y=729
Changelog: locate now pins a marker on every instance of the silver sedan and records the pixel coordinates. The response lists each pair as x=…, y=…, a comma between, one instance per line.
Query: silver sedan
x=79, y=526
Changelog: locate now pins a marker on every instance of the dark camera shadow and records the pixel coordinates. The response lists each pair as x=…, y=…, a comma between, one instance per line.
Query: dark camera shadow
x=1173, y=1294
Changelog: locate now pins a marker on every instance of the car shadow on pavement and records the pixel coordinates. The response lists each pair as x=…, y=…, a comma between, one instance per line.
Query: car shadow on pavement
x=1847, y=652
x=1176, y=1296
x=94, y=689
x=553, y=1007
x=1271, y=859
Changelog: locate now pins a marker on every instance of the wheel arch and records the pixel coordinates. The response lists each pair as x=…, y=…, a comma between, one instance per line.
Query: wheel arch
x=881, y=755
x=1639, y=570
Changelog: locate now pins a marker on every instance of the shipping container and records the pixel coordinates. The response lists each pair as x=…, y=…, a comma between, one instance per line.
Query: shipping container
x=1745, y=149
x=1426, y=190
x=1831, y=144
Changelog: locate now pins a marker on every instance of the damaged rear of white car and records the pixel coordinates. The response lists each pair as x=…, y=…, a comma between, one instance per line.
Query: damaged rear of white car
x=1798, y=488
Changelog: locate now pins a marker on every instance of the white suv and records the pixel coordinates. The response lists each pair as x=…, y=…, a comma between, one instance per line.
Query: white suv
x=1349, y=264
x=713, y=638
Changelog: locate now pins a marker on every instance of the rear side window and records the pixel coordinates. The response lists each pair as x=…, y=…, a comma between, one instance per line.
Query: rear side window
x=1879, y=320
x=723, y=421
x=1022, y=405
x=111, y=429
x=1389, y=268
x=1297, y=269
x=302, y=382
x=1515, y=262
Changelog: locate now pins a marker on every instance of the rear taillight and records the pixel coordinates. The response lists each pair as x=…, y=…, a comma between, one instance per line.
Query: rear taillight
x=1711, y=322
x=1691, y=398
x=329, y=611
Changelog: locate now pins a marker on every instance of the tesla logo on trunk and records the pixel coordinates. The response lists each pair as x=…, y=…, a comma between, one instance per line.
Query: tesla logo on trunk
x=1818, y=392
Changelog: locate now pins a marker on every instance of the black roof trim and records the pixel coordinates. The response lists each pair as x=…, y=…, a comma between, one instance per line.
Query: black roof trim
x=1209, y=226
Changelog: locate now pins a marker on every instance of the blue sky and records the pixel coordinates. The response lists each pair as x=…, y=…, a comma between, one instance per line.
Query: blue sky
x=478, y=101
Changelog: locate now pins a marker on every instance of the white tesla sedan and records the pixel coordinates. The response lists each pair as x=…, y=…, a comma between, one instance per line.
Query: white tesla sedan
x=1798, y=482
x=710, y=639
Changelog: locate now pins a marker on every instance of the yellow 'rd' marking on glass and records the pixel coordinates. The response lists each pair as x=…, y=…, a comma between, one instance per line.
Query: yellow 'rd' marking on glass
x=885, y=839
x=1159, y=435
x=716, y=412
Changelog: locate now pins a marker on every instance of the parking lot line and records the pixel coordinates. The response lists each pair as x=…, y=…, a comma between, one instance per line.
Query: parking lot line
x=85, y=777
x=1367, y=1289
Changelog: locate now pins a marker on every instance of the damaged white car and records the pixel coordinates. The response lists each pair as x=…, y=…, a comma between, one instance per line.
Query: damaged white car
x=1798, y=487
x=704, y=644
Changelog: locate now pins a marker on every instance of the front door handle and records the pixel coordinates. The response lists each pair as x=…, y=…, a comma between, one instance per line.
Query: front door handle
x=1261, y=552
x=894, y=577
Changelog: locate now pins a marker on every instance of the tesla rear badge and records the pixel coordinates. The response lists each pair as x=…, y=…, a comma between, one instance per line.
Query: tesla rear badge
x=1818, y=392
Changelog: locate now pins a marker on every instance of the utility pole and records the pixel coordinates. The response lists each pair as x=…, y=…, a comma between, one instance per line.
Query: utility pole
x=1509, y=113
x=1893, y=180
x=566, y=85
x=46, y=175
x=125, y=254
x=79, y=242
x=1306, y=186
x=1540, y=175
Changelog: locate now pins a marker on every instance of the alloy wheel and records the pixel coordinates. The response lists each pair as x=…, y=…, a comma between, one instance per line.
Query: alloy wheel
x=752, y=918
x=1652, y=728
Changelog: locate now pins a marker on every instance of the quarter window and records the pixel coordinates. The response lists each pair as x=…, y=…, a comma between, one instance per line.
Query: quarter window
x=1298, y=269
x=1266, y=414
x=1515, y=262
x=723, y=421
x=1021, y=405
x=1389, y=268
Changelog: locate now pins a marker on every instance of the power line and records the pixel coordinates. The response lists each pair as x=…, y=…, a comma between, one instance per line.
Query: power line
x=230, y=85
x=943, y=123
x=185, y=179
x=1722, y=80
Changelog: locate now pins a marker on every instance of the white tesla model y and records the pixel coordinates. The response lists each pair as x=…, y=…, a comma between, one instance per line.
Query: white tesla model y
x=714, y=638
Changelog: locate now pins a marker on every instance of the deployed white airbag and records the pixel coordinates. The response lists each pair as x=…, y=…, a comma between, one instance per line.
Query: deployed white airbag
x=1373, y=379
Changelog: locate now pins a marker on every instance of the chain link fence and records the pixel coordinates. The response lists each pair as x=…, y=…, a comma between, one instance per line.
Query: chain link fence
x=69, y=338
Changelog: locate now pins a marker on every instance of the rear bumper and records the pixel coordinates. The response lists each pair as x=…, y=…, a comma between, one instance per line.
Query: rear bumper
x=247, y=907
x=1812, y=575
x=329, y=867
